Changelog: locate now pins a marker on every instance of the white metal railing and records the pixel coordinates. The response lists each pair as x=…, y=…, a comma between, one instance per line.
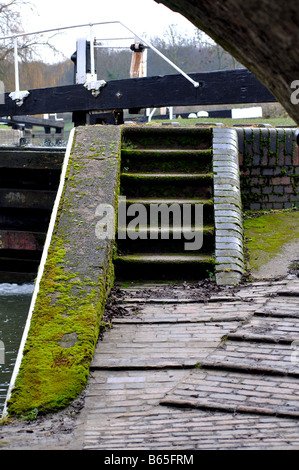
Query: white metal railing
x=19, y=95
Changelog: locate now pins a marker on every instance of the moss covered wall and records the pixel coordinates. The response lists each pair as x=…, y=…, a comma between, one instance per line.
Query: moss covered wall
x=269, y=164
x=76, y=280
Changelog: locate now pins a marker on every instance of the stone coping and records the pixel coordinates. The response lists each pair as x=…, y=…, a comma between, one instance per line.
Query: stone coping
x=229, y=252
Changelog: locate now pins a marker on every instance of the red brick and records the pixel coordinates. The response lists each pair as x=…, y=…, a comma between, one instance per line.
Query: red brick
x=281, y=180
x=20, y=241
x=296, y=156
x=289, y=189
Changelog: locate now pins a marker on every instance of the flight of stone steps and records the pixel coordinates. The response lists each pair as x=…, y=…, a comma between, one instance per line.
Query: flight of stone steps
x=170, y=169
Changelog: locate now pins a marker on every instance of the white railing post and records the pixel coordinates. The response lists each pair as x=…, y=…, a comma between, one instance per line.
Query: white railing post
x=92, y=58
x=18, y=96
x=17, y=78
x=92, y=83
x=151, y=113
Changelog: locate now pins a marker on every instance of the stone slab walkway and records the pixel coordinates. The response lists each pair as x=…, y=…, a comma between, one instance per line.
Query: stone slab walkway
x=180, y=372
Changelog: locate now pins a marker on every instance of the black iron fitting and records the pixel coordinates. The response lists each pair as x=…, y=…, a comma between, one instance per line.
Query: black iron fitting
x=137, y=47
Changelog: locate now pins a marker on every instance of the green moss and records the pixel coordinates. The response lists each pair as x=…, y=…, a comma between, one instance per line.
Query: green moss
x=162, y=162
x=51, y=375
x=166, y=138
x=268, y=233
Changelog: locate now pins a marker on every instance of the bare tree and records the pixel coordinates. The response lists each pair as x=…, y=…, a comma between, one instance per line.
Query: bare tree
x=10, y=25
x=29, y=47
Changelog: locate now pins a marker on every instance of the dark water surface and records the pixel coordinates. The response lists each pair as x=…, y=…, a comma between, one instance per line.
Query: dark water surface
x=14, y=307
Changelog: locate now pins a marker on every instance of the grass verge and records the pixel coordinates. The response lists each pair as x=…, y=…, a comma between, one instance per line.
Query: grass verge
x=266, y=234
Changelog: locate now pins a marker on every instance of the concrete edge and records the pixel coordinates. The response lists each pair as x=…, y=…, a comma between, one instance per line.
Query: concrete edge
x=229, y=252
x=10, y=137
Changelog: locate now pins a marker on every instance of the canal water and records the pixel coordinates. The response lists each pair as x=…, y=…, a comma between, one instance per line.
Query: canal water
x=14, y=308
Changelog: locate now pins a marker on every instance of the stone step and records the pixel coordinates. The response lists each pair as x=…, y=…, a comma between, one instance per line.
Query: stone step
x=172, y=207
x=165, y=160
x=166, y=240
x=164, y=166
x=166, y=138
x=167, y=185
x=163, y=266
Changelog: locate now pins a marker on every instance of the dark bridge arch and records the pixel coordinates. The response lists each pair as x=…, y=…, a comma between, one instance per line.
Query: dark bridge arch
x=261, y=34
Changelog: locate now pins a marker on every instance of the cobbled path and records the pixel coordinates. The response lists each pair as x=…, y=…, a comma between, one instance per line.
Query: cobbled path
x=177, y=373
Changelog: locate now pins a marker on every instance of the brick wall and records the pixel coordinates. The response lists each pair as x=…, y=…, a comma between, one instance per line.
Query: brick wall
x=269, y=167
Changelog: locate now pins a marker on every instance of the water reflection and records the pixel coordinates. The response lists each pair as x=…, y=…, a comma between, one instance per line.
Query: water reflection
x=14, y=307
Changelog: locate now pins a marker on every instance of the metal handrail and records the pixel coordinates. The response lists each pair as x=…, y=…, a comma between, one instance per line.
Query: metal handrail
x=92, y=57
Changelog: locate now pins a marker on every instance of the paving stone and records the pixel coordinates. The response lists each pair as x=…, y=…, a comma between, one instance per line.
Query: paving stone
x=268, y=330
x=245, y=396
x=162, y=345
x=280, y=307
x=226, y=311
x=253, y=357
x=237, y=392
x=138, y=387
x=163, y=428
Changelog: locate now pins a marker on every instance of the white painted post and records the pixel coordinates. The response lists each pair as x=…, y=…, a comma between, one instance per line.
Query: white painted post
x=143, y=73
x=92, y=58
x=151, y=114
x=81, y=61
x=17, y=78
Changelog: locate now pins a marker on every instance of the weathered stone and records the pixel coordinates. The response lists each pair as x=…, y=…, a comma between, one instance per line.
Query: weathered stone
x=221, y=181
x=234, y=253
x=228, y=278
x=224, y=164
x=228, y=200
x=227, y=204
x=230, y=233
x=69, y=340
x=230, y=263
x=10, y=137
x=261, y=35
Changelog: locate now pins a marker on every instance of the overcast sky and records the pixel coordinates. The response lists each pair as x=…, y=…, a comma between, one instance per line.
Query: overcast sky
x=145, y=17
